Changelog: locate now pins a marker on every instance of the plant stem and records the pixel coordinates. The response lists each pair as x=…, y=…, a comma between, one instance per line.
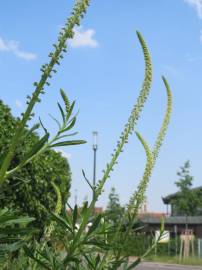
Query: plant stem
x=78, y=11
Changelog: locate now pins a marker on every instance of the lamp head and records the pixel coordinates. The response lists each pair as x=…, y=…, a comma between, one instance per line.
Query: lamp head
x=95, y=140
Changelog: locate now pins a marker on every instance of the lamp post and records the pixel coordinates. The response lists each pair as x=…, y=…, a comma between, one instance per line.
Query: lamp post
x=95, y=147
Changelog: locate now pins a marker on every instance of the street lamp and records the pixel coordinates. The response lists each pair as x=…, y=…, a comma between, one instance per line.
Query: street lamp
x=95, y=147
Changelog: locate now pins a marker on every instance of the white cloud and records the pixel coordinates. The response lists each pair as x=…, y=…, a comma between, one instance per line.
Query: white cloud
x=63, y=153
x=18, y=103
x=13, y=46
x=197, y=5
x=83, y=38
x=3, y=46
x=25, y=55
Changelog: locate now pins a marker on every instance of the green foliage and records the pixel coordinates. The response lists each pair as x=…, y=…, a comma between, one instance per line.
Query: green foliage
x=187, y=201
x=13, y=235
x=101, y=245
x=85, y=243
x=137, y=244
x=47, y=70
x=29, y=190
x=114, y=211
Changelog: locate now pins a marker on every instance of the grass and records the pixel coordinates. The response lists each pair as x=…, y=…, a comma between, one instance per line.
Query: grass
x=175, y=260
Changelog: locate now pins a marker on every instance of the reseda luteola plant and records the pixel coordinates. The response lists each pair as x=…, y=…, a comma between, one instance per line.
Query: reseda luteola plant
x=83, y=247
x=92, y=249
x=47, y=71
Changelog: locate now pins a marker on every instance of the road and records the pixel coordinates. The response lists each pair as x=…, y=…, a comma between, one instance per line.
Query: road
x=162, y=266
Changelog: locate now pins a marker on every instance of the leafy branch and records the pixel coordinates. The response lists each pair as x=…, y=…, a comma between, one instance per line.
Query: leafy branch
x=47, y=71
x=68, y=122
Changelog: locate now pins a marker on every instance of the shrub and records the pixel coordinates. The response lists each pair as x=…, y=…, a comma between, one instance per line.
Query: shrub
x=29, y=190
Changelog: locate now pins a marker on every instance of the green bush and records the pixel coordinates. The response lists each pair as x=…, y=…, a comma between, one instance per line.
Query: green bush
x=29, y=189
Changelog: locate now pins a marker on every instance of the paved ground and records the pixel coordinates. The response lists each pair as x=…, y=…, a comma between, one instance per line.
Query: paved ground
x=161, y=266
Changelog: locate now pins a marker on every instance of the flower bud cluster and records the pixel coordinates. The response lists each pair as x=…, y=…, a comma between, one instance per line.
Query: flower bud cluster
x=135, y=114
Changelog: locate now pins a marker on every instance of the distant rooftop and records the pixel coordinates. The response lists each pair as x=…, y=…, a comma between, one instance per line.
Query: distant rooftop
x=157, y=215
x=172, y=220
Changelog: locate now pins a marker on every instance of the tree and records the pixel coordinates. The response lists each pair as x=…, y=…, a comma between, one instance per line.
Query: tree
x=114, y=209
x=187, y=200
x=30, y=191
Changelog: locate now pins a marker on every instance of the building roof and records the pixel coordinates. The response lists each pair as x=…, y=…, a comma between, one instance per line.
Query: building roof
x=152, y=215
x=98, y=210
x=168, y=198
x=172, y=220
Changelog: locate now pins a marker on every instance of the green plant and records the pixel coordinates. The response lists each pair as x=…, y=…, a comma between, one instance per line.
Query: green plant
x=114, y=209
x=67, y=122
x=98, y=247
x=85, y=246
x=30, y=189
x=14, y=234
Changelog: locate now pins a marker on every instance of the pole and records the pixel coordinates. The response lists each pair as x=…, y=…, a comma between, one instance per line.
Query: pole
x=94, y=166
x=95, y=147
x=176, y=245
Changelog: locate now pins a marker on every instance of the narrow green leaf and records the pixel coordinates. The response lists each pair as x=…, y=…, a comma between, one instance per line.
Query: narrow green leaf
x=88, y=182
x=97, y=260
x=45, y=130
x=57, y=122
x=162, y=226
x=62, y=221
x=67, y=135
x=75, y=216
x=68, y=143
x=134, y=264
x=61, y=111
x=88, y=260
x=2, y=157
x=16, y=220
x=29, y=253
x=95, y=225
x=65, y=100
x=70, y=110
x=71, y=125
x=84, y=209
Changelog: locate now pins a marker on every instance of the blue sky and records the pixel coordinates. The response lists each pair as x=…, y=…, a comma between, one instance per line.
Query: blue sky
x=103, y=71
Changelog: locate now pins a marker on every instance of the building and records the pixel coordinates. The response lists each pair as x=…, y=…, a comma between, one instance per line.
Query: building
x=174, y=221
x=174, y=224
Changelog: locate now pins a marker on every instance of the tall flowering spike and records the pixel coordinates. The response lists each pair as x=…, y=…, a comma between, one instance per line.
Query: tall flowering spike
x=138, y=197
x=66, y=100
x=57, y=211
x=135, y=114
x=166, y=120
x=58, y=207
x=78, y=11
